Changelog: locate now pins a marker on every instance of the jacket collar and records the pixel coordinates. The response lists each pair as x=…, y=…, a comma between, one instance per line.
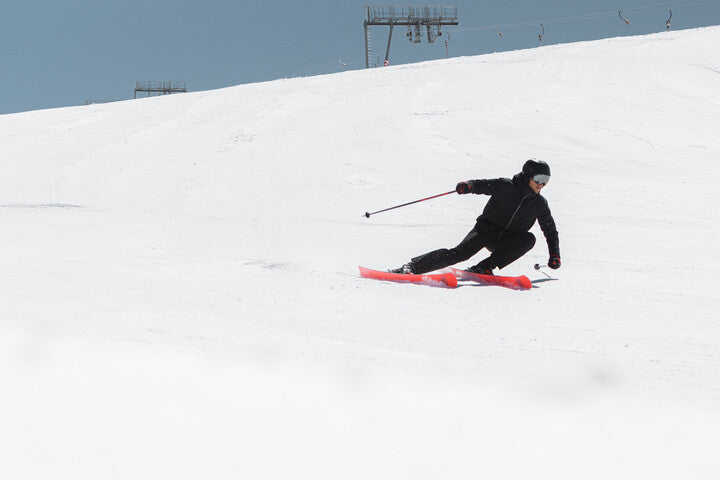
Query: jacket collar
x=522, y=184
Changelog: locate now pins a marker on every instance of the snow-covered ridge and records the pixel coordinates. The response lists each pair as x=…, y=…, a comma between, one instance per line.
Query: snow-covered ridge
x=181, y=295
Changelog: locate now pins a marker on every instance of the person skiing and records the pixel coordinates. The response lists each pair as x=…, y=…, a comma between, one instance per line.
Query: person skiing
x=503, y=228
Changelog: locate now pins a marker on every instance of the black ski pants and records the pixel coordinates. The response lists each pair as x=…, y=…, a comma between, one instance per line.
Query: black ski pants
x=504, y=251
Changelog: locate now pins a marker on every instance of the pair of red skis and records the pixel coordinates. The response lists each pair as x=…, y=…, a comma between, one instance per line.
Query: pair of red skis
x=449, y=278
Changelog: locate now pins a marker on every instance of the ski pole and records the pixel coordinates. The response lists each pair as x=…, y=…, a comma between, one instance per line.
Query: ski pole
x=367, y=214
x=538, y=267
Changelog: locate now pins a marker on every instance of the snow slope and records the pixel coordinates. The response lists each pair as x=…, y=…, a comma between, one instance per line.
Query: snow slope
x=181, y=299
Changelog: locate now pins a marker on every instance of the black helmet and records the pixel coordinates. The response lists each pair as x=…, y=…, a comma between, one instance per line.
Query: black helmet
x=534, y=167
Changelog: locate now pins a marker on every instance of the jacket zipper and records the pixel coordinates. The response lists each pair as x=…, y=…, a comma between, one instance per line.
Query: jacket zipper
x=513, y=216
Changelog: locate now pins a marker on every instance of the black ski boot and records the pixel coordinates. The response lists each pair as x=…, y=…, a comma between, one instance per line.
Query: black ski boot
x=406, y=269
x=485, y=267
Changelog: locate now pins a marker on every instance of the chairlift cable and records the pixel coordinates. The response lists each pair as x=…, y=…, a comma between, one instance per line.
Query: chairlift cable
x=584, y=17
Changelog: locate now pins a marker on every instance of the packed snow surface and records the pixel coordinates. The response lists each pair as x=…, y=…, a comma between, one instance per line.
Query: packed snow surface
x=181, y=296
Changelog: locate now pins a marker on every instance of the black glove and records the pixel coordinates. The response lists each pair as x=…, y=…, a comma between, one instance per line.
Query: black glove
x=554, y=262
x=462, y=187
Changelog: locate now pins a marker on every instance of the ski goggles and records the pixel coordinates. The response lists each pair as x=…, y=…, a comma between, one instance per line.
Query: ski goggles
x=541, y=178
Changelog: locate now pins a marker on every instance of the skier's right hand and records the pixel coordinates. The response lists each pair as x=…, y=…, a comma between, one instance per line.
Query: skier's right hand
x=462, y=188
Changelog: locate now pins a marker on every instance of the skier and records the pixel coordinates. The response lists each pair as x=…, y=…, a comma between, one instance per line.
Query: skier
x=503, y=228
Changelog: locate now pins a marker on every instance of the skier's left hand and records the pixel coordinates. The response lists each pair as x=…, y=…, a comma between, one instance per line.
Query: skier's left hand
x=554, y=262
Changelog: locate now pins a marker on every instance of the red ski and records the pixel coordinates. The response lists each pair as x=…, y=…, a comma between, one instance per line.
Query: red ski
x=517, y=283
x=448, y=280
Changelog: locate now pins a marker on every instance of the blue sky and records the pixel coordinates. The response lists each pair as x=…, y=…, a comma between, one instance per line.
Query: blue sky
x=55, y=54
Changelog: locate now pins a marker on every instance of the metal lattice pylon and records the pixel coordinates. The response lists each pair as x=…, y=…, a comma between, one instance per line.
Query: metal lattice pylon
x=431, y=17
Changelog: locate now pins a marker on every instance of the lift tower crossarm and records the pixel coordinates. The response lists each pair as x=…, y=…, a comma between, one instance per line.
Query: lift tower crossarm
x=431, y=16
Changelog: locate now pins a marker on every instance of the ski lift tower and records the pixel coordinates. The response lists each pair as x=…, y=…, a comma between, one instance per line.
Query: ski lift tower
x=161, y=88
x=432, y=18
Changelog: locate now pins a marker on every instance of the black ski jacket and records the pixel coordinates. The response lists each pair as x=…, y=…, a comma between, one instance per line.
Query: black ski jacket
x=513, y=207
